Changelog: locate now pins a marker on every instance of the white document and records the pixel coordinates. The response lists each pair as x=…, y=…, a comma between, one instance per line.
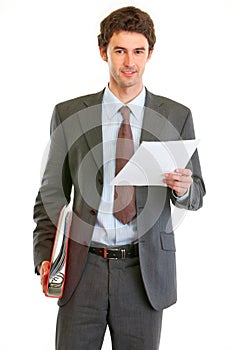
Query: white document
x=152, y=160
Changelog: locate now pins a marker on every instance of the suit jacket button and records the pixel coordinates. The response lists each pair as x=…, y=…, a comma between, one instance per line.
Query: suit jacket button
x=93, y=212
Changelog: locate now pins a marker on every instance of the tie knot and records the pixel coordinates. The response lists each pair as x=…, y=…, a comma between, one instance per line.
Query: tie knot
x=125, y=112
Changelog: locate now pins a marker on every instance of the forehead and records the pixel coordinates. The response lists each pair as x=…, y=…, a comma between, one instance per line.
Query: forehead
x=129, y=40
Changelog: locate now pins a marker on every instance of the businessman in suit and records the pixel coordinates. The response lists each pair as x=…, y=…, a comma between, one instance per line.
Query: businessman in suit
x=121, y=269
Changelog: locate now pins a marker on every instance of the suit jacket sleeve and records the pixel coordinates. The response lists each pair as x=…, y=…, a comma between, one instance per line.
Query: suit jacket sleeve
x=54, y=192
x=197, y=191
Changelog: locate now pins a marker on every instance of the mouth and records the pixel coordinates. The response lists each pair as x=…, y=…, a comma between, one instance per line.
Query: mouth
x=128, y=73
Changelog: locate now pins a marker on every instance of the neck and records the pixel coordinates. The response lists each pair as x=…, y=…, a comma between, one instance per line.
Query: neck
x=125, y=94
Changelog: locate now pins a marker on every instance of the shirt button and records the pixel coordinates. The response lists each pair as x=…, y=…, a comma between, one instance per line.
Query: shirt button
x=93, y=212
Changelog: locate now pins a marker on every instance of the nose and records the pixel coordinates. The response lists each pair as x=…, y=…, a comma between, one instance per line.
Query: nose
x=129, y=60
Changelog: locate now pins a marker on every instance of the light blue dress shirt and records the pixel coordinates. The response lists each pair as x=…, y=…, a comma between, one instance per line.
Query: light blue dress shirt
x=108, y=230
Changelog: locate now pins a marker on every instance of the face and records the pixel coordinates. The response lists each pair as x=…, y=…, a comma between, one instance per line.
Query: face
x=127, y=54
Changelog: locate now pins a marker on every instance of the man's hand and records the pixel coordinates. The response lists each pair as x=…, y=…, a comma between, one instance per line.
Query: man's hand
x=44, y=269
x=179, y=181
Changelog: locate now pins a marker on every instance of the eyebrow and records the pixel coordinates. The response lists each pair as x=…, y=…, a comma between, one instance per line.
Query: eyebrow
x=124, y=48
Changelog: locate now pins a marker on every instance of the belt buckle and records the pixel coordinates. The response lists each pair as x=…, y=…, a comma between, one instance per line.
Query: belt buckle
x=106, y=253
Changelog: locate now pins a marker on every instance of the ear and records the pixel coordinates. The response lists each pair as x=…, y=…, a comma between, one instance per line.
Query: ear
x=149, y=55
x=103, y=54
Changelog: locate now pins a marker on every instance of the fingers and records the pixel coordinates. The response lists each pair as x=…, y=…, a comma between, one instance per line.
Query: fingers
x=44, y=273
x=179, y=181
x=185, y=172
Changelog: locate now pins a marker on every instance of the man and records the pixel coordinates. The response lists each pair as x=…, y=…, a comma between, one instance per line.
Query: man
x=121, y=259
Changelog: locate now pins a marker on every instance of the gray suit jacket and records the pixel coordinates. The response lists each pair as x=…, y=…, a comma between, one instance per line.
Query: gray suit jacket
x=75, y=160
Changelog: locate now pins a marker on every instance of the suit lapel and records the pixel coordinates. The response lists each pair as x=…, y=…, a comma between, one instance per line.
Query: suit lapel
x=91, y=123
x=154, y=121
x=157, y=125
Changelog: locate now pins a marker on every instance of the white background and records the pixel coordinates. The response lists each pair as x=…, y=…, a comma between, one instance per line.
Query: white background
x=49, y=54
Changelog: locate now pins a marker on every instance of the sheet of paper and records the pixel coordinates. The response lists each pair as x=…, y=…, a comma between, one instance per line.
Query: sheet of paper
x=152, y=160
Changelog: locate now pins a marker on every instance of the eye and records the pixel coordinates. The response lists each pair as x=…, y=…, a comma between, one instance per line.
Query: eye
x=139, y=52
x=120, y=51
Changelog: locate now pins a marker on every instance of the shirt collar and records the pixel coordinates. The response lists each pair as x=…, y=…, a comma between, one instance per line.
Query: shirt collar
x=113, y=104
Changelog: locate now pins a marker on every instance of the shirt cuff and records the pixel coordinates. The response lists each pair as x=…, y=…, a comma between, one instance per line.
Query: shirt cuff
x=181, y=198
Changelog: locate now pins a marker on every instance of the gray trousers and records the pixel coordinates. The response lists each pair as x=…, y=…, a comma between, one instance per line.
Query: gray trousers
x=110, y=293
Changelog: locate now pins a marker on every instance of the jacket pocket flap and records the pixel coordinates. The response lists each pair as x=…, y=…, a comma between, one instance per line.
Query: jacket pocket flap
x=168, y=241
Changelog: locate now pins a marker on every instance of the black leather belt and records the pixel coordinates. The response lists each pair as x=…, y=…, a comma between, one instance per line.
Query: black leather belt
x=126, y=251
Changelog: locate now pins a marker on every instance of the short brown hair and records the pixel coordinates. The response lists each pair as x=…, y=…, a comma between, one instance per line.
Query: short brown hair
x=130, y=19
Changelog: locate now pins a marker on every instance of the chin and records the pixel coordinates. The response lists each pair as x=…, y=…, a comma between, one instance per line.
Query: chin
x=129, y=84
